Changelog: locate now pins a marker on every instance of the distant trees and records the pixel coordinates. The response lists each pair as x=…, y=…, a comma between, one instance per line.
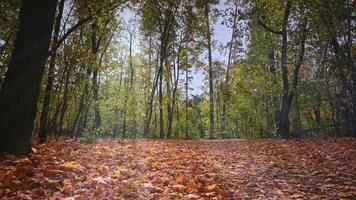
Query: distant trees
x=289, y=70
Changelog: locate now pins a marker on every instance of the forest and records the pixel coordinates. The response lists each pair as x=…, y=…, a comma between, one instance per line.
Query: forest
x=177, y=99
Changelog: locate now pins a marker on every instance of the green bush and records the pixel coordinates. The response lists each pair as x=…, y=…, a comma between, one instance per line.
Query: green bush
x=89, y=136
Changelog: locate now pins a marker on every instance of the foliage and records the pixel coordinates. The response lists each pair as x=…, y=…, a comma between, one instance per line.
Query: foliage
x=89, y=136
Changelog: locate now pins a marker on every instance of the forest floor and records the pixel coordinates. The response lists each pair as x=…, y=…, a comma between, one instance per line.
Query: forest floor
x=176, y=169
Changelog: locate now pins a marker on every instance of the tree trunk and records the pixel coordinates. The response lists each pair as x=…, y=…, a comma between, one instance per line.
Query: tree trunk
x=176, y=81
x=97, y=117
x=186, y=97
x=65, y=100
x=211, y=85
x=47, y=96
x=283, y=125
x=148, y=114
x=82, y=102
x=20, y=90
x=227, y=76
x=160, y=93
x=297, y=120
x=95, y=87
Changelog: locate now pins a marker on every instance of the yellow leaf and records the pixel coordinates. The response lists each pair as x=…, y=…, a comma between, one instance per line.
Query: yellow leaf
x=122, y=167
x=71, y=164
x=116, y=175
x=147, y=159
x=50, y=181
x=76, y=177
x=21, y=160
x=103, y=167
x=211, y=187
x=66, y=182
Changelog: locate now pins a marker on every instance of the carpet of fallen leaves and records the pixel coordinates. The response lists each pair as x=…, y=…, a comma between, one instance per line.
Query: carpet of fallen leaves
x=173, y=169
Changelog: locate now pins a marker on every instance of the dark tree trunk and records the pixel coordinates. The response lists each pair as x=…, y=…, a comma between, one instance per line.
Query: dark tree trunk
x=52, y=124
x=82, y=102
x=283, y=115
x=65, y=100
x=283, y=124
x=149, y=109
x=20, y=90
x=160, y=93
x=148, y=115
x=176, y=81
x=129, y=87
x=297, y=129
x=97, y=117
x=47, y=96
x=95, y=41
x=124, y=125
x=164, y=40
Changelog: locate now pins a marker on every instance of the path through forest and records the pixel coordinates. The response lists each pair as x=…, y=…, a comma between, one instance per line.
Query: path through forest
x=172, y=169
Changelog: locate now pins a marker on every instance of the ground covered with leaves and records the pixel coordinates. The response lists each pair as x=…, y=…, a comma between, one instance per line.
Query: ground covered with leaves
x=172, y=169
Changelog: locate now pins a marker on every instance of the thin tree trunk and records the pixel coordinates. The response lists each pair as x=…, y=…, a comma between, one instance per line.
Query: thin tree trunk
x=227, y=76
x=47, y=96
x=65, y=100
x=176, y=81
x=75, y=126
x=162, y=54
x=210, y=70
x=148, y=115
x=97, y=117
x=129, y=89
x=160, y=100
x=186, y=97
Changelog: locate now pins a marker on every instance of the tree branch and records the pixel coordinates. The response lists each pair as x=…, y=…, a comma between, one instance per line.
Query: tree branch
x=264, y=25
x=77, y=25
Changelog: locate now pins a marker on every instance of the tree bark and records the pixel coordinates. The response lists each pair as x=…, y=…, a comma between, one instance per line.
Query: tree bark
x=65, y=99
x=283, y=125
x=160, y=100
x=164, y=40
x=227, y=76
x=176, y=81
x=47, y=96
x=20, y=90
x=210, y=70
x=95, y=82
x=186, y=97
x=82, y=102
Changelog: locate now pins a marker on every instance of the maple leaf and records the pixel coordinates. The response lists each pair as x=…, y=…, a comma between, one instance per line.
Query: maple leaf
x=211, y=187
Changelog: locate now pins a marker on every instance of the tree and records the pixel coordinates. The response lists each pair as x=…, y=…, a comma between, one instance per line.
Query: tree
x=21, y=87
x=47, y=96
x=283, y=118
x=206, y=8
